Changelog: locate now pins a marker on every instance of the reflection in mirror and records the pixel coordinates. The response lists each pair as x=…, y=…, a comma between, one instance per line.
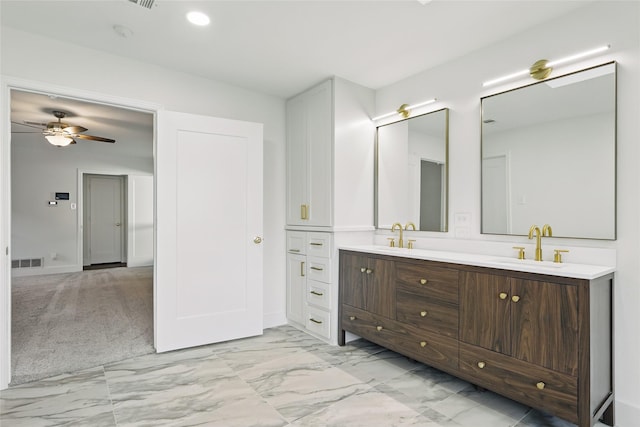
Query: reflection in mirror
x=549, y=156
x=412, y=172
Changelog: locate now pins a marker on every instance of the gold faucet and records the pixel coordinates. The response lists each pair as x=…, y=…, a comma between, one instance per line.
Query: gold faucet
x=536, y=229
x=400, y=240
x=546, y=232
x=410, y=224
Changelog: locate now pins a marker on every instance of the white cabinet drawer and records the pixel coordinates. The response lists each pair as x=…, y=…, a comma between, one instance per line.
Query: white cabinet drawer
x=296, y=242
x=319, y=322
x=319, y=269
x=319, y=244
x=319, y=294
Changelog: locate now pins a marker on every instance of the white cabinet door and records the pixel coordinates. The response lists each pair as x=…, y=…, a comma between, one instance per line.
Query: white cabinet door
x=309, y=157
x=320, y=143
x=208, y=269
x=296, y=287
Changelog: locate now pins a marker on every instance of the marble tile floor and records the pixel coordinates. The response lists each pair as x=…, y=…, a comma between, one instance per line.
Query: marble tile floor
x=282, y=378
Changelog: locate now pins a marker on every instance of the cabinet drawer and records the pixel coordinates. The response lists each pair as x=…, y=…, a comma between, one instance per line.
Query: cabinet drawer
x=532, y=385
x=319, y=294
x=427, y=313
x=318, y=322
x=319, y=244
x=434, y=282
x=296, y=242
x=319, y=269
x=427, y=347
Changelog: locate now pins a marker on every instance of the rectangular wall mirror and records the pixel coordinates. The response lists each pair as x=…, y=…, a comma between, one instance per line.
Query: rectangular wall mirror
x=412, y=172
x=549, y=156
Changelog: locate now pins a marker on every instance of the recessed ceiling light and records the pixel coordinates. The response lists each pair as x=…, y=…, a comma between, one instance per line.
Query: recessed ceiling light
x=198, y=18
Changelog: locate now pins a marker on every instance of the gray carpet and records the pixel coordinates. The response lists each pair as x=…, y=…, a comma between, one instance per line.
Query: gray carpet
x=67, y=322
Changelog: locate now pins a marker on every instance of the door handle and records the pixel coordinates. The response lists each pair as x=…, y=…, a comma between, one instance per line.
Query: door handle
x=118, y=224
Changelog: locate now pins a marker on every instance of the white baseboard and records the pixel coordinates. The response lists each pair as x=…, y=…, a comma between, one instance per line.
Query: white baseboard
x=24, y=272
x=627, y=415
x=271, y=320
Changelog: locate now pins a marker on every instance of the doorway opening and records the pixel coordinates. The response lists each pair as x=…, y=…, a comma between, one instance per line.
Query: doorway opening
x=61, y=313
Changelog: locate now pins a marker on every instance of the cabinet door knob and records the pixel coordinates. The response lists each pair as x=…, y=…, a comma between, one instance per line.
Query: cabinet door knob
x=515, y=298
x=423, y=313
x=540, y=385
x=503, y=295
x=369, y=271
x=379, y=328
x=423, y=281
x=423, y=343
x=481, y=365
x=363, y=269
x=352, y=317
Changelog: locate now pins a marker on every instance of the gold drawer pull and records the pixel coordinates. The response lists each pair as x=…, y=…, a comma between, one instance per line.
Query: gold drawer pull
x=294, y=250
x=379, y=328
x=481, y=365
x=317, y=293
x=369, y=271
x=423, y=313
x=352, y=317
x=540, y=385
x=317, y=268
x=423, y=281
x=302, y=268
x=515, y=298
x=363, y=269
x=503, y=295
x=423, y=343
x=315, y=321
x=316, y=244
x=304, y=212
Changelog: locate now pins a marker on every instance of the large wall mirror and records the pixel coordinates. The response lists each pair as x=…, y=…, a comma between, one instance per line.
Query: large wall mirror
x=549, y=156
x=412, y=172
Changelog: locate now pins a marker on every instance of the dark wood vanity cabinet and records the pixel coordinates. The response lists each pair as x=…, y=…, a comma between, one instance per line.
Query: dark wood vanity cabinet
x=542, y=340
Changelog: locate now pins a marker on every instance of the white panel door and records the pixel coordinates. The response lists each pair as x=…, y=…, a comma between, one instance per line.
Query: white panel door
x=208, y=230
x=139, y=220
x=105, y=219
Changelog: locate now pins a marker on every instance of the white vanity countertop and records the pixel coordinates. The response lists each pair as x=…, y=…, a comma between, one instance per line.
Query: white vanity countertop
x=578, y=271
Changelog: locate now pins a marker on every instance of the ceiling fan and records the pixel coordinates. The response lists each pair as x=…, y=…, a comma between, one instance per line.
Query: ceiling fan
x=62, y=134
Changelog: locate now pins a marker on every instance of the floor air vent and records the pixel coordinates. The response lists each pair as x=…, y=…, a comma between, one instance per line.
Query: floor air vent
x=144, y=3
x=27, y=263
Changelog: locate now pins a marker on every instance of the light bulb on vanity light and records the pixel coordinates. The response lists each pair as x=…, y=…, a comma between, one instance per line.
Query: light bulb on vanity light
x=404, y=110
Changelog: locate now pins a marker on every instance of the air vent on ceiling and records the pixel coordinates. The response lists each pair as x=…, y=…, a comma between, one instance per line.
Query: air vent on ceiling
x=144, y=3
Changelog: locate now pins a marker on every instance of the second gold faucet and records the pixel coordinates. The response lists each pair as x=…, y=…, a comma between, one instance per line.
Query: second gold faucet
x=546, y=232
x=398, y=226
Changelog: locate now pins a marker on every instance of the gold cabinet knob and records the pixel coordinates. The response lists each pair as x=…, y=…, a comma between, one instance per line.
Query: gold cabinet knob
x=369, y=271
x=423, y=281
x=363, y=269
x=515, y=298
x=379, y=328
x=423, y=313
x=352, y=317
x=257, y=240
x=481, y=365
x=503, y=295
x=423, y=343
x=540, y=385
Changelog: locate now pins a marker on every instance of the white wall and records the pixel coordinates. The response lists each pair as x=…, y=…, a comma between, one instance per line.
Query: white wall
x=458, y=85
x=115, y=76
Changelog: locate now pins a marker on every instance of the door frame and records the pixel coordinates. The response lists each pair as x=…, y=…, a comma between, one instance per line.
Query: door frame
x=82, y=206
x=7, y=84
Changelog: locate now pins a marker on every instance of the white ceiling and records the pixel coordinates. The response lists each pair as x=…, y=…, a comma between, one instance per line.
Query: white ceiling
x=273, y=47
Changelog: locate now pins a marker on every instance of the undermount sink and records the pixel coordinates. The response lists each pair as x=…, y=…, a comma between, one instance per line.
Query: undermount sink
x=533, y=263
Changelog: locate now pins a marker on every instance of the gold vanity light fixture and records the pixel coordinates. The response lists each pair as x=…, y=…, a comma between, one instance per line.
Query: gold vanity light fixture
x=404, y=110
x=541, y=69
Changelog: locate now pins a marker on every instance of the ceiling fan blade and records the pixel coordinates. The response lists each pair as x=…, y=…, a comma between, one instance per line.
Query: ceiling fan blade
x=26, y=132
x=74, y=129
x=94, y=138
x=31, y=124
